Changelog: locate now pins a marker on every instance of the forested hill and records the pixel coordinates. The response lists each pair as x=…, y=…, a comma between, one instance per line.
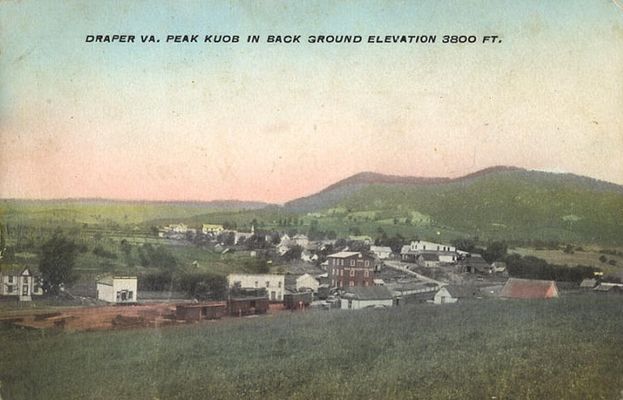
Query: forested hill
x=508, y=201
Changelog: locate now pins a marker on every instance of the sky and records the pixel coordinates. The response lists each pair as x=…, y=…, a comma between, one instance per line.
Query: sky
x=273, y=122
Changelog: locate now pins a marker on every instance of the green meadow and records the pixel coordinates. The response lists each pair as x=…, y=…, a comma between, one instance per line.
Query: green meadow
x=568, y=348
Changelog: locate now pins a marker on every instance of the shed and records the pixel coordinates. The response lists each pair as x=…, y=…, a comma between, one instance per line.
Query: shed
x=296, y=301
x=117, y=289
x=197, y=312
x=247, y=305
x=516, y=288
x=454, y=293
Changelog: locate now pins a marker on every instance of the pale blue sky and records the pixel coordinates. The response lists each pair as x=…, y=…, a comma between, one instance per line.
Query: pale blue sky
x=548, y=97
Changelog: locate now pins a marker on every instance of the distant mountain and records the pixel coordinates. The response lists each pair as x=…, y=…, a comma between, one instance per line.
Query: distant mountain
x=339, y=190
x=116, y=211
x=220, y=204
x=504, y=202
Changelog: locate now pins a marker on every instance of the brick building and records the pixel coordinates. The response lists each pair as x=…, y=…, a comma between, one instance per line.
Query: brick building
x=349, y=269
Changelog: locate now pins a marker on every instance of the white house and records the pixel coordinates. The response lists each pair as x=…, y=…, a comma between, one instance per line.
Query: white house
x=274, y=284
x=422, y=245
x=117, y=289
x=301, y=240
x=19, y=281
x=382, y=252
x=306, y=281
x=358, y=297
x=212, y=229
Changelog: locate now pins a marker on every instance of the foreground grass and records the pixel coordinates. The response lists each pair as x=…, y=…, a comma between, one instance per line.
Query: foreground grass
x=570, y=348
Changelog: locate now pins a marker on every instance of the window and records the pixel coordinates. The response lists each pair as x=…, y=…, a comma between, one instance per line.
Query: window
x=25, y=280
x=367, y=263
x=352, y=272
x=10, y=278
x=267, y=283
x=279, y=285
x=342, y=272
x=341, y=262
x=352, y=263
x=9, y=289
x=130, y=295
x=25, y=290
x=256, y=284
x=366, y=273
x=365, y=283
x=351, y=283
x=424, y=247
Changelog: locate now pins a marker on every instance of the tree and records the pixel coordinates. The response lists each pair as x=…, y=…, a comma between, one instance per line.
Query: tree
x=56, y=262
x=465, y=245
x=294, y=253
x=495, y=251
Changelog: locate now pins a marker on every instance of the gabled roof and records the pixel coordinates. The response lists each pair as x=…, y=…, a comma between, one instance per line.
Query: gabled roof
x=462, y=291
x=588, y=283
x=368, y=293
x=345, y=254
x=529, y=289
x=381, y=249
x=15, y=270
x=305, y=276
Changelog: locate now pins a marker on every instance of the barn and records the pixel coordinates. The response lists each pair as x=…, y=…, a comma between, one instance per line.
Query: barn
x=516, y=288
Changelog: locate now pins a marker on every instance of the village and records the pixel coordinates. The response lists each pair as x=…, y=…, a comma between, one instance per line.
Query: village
x=329, y=274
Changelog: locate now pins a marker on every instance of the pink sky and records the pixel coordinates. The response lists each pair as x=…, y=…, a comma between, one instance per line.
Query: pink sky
x=276, y=123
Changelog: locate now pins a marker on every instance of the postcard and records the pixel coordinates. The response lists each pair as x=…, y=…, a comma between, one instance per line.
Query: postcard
x=311, y=199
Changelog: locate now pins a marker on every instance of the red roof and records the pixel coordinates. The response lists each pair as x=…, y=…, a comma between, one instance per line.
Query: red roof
x=529, y=289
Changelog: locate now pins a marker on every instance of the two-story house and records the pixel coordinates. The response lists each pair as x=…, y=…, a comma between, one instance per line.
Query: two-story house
x=19, y=281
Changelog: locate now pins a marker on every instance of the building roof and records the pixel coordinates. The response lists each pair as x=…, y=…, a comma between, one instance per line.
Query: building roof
x=368, y=293
x=381, y=249
x=13, y=269
x=405, y=249
x=108, y=279
x=529, y=289
x=588, y=283
x=606, y=287
x=306, y=276
x=462, y=291
x=345, y=254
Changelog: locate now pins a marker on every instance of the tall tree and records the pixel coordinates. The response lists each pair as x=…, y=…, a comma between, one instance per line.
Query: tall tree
x=57, y=261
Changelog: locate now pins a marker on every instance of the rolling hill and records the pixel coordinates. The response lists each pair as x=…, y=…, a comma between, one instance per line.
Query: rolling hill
x=499, y=202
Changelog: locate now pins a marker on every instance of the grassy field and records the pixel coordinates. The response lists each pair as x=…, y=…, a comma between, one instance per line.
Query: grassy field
x=589, y=257
x=569, y=348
